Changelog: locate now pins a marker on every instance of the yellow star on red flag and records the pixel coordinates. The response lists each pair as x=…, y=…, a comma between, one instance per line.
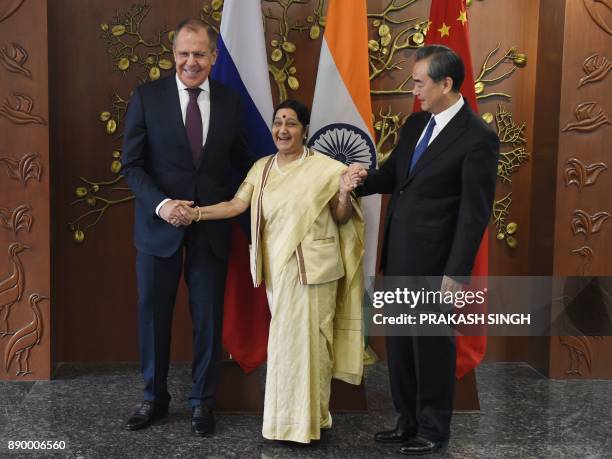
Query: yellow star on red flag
x=444, y=30
x=462, y=17
x=470, y=349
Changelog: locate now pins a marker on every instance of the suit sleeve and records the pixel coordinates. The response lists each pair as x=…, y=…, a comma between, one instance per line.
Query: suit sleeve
x=383, y=180
x=242, y=158
x=133, y=157
x=478, y=177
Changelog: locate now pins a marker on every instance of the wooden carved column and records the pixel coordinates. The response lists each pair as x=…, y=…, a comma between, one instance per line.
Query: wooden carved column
x=25, y=351
x=583, y=223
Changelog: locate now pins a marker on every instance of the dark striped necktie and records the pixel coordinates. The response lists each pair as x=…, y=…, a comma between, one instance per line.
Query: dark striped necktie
x=193, y=124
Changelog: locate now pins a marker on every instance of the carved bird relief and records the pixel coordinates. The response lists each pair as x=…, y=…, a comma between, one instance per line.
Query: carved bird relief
x=21, y=111
x=13, y=57
x=596, y=68
x=587, y=254
x=590, y=116
x=595, y=9
x=8, y=7
x=579, y=174
x=11, y=287
x=588, y=224
x=578, y=346
x=17, y=219
x=21, y=343
x=24, y=169
x=579, y=350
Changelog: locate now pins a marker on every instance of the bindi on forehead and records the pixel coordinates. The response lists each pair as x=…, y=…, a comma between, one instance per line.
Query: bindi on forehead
x=285, y=118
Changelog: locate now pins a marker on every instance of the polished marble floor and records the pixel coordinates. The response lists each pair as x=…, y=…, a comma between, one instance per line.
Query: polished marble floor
x=523, y=415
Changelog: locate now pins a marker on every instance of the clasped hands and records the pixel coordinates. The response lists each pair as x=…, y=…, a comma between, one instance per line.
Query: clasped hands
x=352, y=177
x=181, y=213
x=177, y=212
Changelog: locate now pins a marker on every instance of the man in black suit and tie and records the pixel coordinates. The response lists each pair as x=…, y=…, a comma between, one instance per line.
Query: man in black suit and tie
x=441, y=177
x=183, y=137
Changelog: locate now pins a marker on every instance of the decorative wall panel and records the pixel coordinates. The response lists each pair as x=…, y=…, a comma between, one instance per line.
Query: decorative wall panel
x=583, y=233
x=25, y=236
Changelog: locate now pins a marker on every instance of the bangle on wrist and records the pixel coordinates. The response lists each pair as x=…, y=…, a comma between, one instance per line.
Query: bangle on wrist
x=199, y=217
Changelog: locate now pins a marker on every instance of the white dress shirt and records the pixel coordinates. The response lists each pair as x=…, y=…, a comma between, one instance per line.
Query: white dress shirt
x=442, y=119
x=203, y=103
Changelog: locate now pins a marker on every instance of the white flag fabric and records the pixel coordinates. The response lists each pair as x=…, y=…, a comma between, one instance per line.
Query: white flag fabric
x=341, y=120
x=242, y=65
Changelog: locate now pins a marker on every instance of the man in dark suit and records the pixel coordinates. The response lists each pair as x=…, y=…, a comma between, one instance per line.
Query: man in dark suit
x=183, y=137
x=441, y=177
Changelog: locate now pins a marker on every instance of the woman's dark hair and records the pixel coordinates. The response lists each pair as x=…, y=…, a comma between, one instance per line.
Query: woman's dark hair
x=444, y=62
x=301, y=110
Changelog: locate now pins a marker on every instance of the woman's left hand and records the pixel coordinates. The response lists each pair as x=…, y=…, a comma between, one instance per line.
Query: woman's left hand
x=346, y=184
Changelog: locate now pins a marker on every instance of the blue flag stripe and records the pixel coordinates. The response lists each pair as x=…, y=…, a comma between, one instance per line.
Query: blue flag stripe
x=256, y=128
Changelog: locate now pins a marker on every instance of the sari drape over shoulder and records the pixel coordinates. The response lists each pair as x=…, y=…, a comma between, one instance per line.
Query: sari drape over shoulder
x=312, y=269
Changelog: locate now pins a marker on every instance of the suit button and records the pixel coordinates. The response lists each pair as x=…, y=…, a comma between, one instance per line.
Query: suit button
x=401, y=192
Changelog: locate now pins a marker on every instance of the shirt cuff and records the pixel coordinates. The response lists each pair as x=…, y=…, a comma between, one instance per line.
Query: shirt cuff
x=159, y=206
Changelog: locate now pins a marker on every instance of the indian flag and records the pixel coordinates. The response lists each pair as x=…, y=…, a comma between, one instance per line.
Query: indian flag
x=341, y=120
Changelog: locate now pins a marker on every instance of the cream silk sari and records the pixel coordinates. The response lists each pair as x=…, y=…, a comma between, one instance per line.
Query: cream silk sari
x=312, y=270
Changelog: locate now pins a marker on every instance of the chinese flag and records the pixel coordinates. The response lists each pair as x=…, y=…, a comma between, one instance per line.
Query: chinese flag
x=448, y=26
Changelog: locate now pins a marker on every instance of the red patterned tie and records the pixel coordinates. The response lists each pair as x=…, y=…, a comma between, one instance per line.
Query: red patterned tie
x=193, y=124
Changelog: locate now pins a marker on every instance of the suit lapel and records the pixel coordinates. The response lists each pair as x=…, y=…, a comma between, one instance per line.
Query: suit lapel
x=455, y=128
x=175, y=116
x=413, y=141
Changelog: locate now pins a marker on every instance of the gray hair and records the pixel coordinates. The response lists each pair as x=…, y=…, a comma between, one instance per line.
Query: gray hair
x=194, y=25
x=444, y=63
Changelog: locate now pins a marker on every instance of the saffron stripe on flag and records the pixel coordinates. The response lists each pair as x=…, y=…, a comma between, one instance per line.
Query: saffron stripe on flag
x=342, y=108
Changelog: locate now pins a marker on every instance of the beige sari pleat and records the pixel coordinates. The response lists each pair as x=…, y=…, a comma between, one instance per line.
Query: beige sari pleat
x=300, y=342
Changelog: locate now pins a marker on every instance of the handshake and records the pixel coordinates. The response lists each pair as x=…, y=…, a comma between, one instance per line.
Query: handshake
x=178, y=212
x=352, y=177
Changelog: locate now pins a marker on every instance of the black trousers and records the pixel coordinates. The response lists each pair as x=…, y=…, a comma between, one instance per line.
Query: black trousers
x=158, y=280
x=422, y=379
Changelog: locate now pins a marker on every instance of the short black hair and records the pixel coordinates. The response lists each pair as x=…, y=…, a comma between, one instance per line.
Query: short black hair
x=444, y=62
x=300, y=109
x=194, y=25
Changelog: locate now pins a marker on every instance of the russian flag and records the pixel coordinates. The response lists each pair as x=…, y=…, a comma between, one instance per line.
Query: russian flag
x=242, y=65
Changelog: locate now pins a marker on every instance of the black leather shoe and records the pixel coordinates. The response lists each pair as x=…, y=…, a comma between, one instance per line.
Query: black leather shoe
x=202, y=420
x=147, y=414
x=417, y=446
x=397, y=435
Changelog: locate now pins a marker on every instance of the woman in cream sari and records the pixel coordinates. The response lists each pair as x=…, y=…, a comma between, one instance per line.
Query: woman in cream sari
x=307, y=246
